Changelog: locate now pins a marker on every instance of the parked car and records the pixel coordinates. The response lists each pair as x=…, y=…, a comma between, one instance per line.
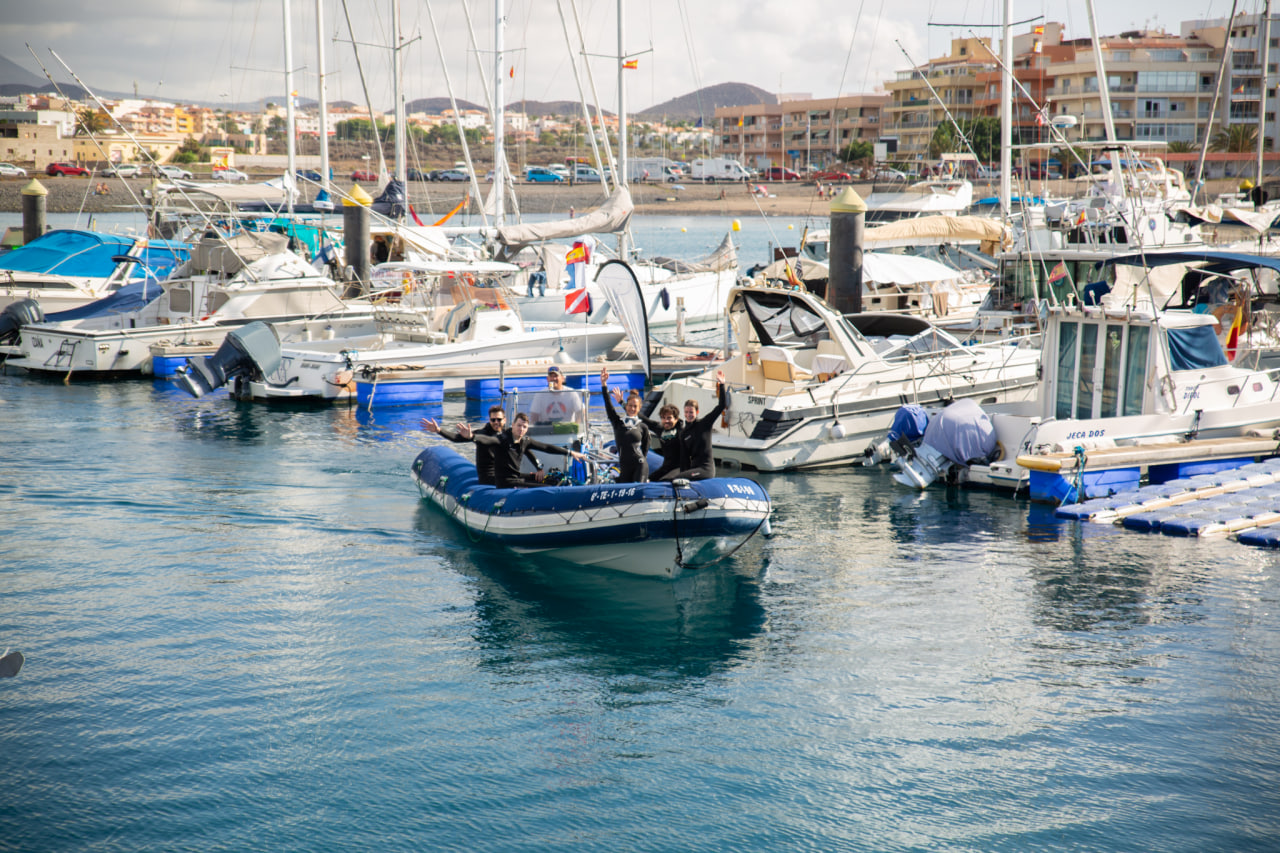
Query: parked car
x=173, y=173
x=886, y=174
x=58, y=170
x=122, y=170
x=364, y=175
x=832, y=176
x=539, y=175
x=585, y=173
x=8, y=170
x=450, y=175
x=417, y=175
x=779, y=173
x=559, y=169
x=310, y=175
x=233, y=176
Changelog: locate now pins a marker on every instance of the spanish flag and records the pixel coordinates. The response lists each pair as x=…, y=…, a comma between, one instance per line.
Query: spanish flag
x=1058, y=273
x=1233, y=334
x=631, y=63
x=577, y=255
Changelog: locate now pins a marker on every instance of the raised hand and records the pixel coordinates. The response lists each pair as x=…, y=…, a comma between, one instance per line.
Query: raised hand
x=464, y=430
x=604, y=376
x=617, y=394
x=430, y=425
x=720, y=376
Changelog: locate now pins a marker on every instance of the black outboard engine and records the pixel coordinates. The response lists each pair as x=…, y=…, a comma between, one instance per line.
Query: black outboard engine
x=252, y=350
x=24, y=312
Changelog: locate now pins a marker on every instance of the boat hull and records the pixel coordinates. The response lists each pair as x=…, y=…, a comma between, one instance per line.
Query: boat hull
x=649, y=529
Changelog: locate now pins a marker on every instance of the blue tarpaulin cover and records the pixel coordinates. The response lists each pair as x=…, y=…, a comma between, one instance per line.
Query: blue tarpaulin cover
x=909, y=422
x=962, y=432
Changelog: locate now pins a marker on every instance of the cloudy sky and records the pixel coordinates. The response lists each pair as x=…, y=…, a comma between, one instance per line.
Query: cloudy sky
x=230, y=51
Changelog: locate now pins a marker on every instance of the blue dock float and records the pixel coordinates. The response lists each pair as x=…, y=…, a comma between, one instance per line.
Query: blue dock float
x=387, y=389
x=1243, y=502
x=490, y=388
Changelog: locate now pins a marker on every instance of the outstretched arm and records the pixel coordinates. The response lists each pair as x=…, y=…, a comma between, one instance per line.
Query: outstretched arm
x=708, y=419
x=431, y=426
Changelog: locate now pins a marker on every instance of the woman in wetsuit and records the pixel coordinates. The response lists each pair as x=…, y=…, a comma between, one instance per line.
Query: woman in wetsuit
x=630, y=434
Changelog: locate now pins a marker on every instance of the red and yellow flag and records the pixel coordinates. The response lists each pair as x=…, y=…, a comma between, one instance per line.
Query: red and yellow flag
x=631, y=63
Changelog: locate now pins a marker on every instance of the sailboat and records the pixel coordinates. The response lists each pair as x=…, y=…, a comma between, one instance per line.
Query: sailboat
x=689, y=292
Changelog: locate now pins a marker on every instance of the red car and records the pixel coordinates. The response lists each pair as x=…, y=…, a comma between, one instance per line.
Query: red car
x=833, y=176
x=778, y=173
x=362, y=175
x=55, y=170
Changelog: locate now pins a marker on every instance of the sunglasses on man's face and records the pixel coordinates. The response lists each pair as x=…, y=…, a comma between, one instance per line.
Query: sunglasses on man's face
x=498, y=420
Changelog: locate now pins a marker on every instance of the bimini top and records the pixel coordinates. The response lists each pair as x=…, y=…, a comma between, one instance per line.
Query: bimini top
x=77, y=253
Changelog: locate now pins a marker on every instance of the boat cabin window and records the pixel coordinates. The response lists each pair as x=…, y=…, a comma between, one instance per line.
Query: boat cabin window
x=778, y=319
x=180, y=300
x=1195, y=348
x=1116, y=353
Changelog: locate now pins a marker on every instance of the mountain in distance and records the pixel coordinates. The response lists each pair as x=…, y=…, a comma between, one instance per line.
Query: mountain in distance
x=702, y=103
x=435, y=106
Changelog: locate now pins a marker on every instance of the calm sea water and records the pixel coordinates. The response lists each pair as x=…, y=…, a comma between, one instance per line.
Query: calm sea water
x=244, y=631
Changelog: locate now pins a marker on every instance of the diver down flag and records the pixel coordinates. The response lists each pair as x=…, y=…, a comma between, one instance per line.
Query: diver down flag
x=577, y=301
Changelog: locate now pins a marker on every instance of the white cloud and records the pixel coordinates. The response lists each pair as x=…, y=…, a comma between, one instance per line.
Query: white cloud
x=222, y=50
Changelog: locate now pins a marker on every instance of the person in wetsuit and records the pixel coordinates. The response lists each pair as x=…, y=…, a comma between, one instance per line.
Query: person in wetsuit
x=694, y=437
x=509, y=448
x=667, y=430
x=630, y=434
x=484, y=453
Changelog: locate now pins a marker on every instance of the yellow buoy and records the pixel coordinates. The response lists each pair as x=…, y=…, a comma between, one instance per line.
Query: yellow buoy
x=735, y=226
x=683, y=230
x=791, y=228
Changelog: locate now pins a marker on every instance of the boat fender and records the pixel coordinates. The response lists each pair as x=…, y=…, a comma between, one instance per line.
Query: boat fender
x=695, y=506
x=665, y=298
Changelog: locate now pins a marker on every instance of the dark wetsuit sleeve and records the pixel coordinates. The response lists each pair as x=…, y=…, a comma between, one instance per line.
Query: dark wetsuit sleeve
x=481, y=438
x=707, y=421
x=534, y=444
x=453, y=436
x=609, y=411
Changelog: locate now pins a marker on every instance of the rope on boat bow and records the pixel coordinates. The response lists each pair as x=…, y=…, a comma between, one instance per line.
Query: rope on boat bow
x=694, y=506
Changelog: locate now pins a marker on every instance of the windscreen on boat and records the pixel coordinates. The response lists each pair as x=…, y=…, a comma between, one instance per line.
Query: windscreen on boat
x=1195, y=349
x=780, y=319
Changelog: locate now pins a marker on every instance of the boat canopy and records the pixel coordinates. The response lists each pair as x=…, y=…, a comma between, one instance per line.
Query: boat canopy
x=89, y=254
x=877, y=268
x=1161, y=273
x=129, y=298
x=933, y=230
x=1258, y=220
x=609, y=218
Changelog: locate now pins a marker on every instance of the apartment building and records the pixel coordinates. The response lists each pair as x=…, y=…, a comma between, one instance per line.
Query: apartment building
x=800, y=131
x=917, y=97
x=1242, y=90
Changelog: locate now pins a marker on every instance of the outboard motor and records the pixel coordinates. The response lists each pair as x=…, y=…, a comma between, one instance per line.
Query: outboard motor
x=248, y=351
x=24, y=312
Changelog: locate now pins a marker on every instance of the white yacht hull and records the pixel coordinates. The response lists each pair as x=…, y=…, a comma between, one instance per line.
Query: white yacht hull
x=326, y=370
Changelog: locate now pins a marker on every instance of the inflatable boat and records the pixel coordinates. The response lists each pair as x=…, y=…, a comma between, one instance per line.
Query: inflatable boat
x=657, y=529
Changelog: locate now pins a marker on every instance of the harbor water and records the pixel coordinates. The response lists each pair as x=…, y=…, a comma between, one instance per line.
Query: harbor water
x=244, y=630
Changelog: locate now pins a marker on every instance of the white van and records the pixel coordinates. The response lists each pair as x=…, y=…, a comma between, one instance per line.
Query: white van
x=715, y=169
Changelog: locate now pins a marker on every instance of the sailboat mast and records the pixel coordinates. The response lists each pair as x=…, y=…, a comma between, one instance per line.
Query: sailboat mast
x=1006, y=112
x=499, y=117
x=620, y=178
x=1262, y=103
x=397, y=71
x=1104, y=94
x=290, y=119
x=324, y=98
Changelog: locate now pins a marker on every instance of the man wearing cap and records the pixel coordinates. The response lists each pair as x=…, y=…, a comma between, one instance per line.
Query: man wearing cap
x=557, y=403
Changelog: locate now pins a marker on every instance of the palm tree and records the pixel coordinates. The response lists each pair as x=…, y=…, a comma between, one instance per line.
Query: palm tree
x=1181, y=146
x=1237, y=139
x=91, y=121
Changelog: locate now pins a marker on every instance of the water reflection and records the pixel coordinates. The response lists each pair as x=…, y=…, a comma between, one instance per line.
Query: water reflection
x=607, y=623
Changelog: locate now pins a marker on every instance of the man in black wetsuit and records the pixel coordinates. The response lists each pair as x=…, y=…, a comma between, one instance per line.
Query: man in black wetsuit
x=630, y=434
x=694, y=437
x=484, y=453
x=509, y=448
